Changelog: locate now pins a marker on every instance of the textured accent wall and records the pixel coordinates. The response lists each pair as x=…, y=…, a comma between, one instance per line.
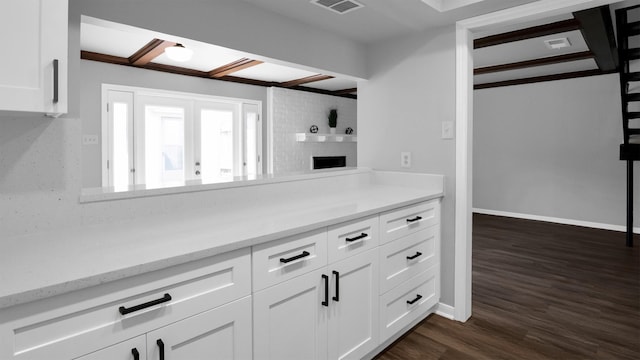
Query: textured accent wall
x=294, y=112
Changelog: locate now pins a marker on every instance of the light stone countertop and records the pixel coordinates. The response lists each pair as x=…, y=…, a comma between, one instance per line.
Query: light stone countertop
x=42, y=265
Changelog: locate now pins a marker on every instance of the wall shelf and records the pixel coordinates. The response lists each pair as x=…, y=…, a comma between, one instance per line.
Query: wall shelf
x=307, y=137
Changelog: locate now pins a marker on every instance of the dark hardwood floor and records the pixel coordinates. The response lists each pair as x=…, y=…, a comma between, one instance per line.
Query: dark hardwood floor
x=540, y=291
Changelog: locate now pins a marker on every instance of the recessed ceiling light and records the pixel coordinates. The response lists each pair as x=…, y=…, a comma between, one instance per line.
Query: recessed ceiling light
x=560, y=43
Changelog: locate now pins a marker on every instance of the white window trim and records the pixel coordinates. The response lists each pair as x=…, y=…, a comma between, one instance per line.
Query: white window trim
x=140, y=91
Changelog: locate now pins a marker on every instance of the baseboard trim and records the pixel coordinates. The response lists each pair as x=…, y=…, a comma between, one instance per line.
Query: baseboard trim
x=446, y=311
x=556, y=220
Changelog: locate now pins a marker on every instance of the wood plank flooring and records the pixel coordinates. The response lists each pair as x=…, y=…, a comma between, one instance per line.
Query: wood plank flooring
x=540, y=291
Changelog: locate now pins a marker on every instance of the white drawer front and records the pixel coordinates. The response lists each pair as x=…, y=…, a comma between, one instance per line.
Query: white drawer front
x=396, y=311
x=283, y=259
x=353, y=237
x=407, y=220
x=93, y=319
x=404, y=258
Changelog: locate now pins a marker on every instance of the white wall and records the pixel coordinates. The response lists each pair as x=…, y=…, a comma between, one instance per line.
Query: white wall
x=411, y=90
x=552, y=149
x=237, y=25
x=294, y=112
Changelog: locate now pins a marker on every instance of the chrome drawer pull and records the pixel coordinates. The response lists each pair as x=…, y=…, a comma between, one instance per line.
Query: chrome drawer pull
x=124, y=311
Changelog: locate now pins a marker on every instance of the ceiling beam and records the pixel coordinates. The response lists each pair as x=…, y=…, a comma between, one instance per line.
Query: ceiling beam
x=230, y=68
x=346, y=91
x=149, y=52
x=87, y=55
x=305, y=80
x=536, y=79
x=528, y=33
x=535, y=62
x=597, y=30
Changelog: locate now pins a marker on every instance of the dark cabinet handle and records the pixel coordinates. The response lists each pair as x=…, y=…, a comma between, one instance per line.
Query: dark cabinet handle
x=304, y=254
x=414, y=219
x=326, y=290
x=135, y=353
x=161, y=348
x=337, y=296
x=414, y=256
x=123, y=310
x=411, y=302
x=361, y=236
x=55, y=81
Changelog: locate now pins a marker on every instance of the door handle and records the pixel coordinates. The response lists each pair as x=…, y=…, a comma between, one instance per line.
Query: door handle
x=55, y=80
x=337, y=296
x=160, y=344
x=326, y=290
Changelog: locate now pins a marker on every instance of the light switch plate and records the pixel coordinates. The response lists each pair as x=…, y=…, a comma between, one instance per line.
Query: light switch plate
x=447, y=129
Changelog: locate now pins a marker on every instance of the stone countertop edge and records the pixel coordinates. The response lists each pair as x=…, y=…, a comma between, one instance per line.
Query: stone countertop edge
x=74, y=284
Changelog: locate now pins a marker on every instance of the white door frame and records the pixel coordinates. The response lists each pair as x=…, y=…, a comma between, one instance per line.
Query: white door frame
x=464, y=126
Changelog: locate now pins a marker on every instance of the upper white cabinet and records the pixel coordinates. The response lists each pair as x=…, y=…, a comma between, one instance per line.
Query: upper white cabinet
x=33, y=73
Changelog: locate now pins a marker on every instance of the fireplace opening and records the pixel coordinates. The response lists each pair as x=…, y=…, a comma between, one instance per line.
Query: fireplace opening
x=326, y=162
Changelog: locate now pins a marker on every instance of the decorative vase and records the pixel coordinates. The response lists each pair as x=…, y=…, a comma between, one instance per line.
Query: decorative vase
x=332, y=131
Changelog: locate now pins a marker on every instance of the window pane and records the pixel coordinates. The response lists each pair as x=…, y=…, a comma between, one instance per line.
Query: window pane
x=216, y=139
x=120, y=161
x=164, y=145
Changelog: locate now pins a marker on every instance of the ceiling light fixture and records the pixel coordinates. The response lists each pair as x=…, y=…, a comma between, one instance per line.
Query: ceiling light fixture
x=178, y=53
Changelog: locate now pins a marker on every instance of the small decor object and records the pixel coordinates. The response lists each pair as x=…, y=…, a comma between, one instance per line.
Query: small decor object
x=348, y=131
x=333, y=120
x=313, y=129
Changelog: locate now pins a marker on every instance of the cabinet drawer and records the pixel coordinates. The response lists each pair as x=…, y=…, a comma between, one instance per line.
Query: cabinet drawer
x=406, y=257
x=283, y=259
x=409, y=301
x=69, y=325
x=407, y=220
x=353, y=237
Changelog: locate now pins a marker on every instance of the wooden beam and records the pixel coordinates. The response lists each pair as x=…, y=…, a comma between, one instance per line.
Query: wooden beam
x=597, y=30
x=88, y=55
x=346, y=91
x=528, y=33
x=536, y=79
x=305, y=80
x=233, y=67
x=149, y=52
x=535, y=62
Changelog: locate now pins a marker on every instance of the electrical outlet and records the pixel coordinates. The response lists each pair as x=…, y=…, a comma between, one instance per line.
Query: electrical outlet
x=89, y=139
x=405, y=159
x=447, y=129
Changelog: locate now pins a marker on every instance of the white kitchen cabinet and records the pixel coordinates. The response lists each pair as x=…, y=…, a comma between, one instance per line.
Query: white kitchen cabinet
x=328, y=313
x=133, y=349
x=82, y=322
x=222, y=333
x=353, y=309
x=290, y=319
x=33, y=75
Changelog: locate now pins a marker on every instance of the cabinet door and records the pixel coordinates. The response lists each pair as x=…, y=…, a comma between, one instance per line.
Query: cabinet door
x=353, y=312
x=37, y=31
x=221, y=333
x=290, y=320
x=132, y=349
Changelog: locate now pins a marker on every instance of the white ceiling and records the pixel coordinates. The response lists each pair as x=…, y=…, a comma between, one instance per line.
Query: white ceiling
x=377, y=20
x=381, y=19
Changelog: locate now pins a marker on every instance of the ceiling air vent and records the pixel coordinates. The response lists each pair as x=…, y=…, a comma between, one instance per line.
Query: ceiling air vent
x=338, y=6
x=557, y=43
